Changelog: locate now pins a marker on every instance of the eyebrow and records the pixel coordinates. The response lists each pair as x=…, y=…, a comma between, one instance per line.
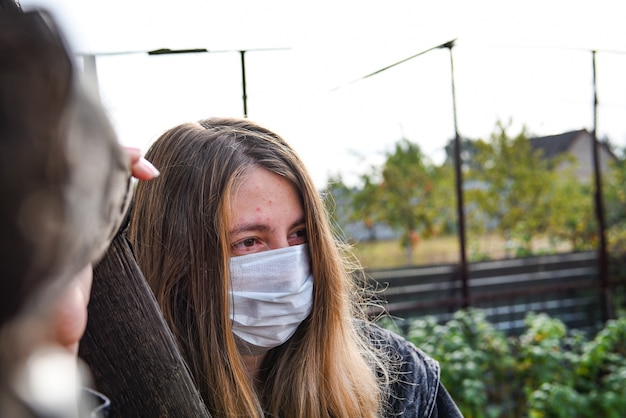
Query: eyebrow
x=247, y=227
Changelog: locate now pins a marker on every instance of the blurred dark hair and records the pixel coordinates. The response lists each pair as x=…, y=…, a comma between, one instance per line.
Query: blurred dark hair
x=64, y=179
x=10, y=6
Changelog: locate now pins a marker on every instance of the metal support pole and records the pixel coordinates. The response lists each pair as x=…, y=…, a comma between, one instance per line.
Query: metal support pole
x=91, y=73
x=599, y=208
x=459, y=189
x=243, y=83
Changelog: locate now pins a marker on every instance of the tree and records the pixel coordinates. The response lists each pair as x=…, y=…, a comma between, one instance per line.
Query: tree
x=336, y=197
x=614, y=191
x=521, y=195
x=367, y=202
x=571, y=216
x=615, y=205
x=404, y=195
x=512, y=185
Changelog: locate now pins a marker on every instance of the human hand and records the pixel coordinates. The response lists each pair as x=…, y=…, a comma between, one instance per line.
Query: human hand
x=141, y=168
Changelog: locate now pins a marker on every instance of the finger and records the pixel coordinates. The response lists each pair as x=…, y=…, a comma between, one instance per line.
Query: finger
x=144, y=170
x=141, y=168
x=133, y=153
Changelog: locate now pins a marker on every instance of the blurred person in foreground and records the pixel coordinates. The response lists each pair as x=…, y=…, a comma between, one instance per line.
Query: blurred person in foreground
x=236, y=245
x=64, y=190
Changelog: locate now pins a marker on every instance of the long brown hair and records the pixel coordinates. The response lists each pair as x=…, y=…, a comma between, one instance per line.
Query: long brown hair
x=178, y=230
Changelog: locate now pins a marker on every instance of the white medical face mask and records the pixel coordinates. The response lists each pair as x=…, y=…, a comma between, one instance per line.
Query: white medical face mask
x=271, y=294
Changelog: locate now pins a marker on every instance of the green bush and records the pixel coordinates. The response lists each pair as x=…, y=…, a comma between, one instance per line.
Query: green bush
x=476, y=360
x=546, y=372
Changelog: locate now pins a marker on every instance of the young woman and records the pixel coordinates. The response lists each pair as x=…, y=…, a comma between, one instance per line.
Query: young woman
x=235, y=243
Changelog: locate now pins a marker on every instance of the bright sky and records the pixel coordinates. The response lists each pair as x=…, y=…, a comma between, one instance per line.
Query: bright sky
x=528, y=61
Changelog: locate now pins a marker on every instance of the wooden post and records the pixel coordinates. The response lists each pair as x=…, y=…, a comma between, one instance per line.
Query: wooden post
x=129, y=348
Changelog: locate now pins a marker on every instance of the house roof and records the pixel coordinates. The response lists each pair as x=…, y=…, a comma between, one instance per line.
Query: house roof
x=554, y=145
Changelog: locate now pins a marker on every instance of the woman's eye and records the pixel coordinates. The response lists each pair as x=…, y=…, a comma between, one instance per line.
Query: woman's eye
x=298, y=237
x=248, y=242
x=244, y=244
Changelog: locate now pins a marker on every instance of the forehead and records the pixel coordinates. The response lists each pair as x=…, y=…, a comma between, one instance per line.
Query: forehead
x=261, y=193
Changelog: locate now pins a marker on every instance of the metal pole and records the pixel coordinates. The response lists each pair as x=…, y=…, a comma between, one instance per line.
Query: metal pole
x=243, y=83
x=91, y=73
x=459, y=189
x=599, y=207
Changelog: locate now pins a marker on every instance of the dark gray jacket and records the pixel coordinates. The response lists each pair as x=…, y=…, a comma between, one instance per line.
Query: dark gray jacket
x=416, y=391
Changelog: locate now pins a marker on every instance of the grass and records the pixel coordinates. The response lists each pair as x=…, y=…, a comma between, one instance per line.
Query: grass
x=386, y=254
x=439, y=250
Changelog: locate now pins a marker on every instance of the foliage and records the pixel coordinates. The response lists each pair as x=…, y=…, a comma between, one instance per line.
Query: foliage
x=547, y=372
x=615, y=205
x=367, y=202
x=571, y=215
x=518, y=193
x=590, y=377
x=406, y=193
x=616, y=239
x=476, y=359
x=514, y=184
x=614, y=191
x=408, y=189
x=510, y=190
x=334, y=196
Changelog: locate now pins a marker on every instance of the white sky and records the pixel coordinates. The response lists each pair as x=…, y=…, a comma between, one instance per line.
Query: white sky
x=528, y=61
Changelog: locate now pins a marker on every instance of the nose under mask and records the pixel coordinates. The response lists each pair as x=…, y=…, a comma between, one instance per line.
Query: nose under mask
x=271, y=294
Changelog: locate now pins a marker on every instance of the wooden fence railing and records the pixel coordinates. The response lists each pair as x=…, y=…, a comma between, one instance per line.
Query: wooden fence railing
x=565, y=286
